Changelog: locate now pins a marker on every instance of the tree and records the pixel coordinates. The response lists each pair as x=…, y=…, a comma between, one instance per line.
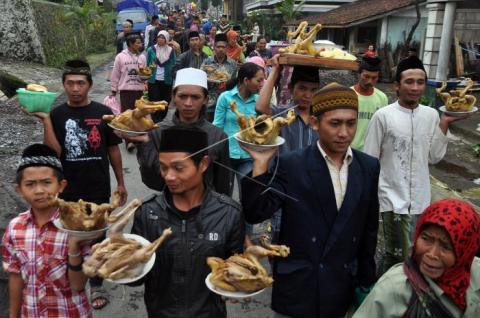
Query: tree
x=289, y=11
x=91, y=20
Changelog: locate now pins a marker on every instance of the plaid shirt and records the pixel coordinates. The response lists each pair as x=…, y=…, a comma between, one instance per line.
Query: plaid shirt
x=39, y=255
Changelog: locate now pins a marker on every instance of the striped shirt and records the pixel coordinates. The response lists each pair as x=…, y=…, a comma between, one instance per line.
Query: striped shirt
x=39, y=255
x=339, y=176
x=298, y=135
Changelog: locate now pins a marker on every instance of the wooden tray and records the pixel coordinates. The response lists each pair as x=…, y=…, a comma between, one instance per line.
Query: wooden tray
x=321, y=62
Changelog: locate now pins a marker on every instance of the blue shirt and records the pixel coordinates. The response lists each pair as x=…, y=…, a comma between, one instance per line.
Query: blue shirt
x=226, y=119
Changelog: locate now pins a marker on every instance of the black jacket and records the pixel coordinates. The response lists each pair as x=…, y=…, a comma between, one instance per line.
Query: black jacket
x=216, y=176
x=332, y=251
x=175, y=287
x=184, y=60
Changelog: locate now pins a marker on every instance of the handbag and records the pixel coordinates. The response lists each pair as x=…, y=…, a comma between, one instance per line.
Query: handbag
x=112, y=103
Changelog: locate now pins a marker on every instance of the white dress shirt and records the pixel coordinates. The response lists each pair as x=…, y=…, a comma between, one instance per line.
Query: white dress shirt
x=339, y=176
x=405, y=141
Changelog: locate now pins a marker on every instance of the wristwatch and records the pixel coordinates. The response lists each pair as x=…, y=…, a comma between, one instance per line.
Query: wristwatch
x=75, y=268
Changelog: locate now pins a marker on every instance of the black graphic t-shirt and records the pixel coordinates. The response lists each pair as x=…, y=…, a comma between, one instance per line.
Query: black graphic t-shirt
x=85, y=139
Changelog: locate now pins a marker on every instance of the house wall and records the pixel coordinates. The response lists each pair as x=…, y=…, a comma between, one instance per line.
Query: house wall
x=399, y=26
x=467, y=25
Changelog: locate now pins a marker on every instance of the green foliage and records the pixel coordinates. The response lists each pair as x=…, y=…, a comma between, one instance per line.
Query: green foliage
x=73, y=30
x=424, y=100
x=271, y=26
x=289, y=11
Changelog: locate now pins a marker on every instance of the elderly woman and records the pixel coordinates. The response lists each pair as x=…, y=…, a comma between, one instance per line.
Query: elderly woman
x=234, y=51
x=161, y=58
x=442, y=276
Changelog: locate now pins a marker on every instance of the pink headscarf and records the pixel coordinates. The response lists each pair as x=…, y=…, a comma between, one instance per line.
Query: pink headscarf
x=194, y=27
x=257, y=60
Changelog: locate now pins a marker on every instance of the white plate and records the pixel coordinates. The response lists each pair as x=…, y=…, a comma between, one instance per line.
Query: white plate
x=457, y=114
x=128, y=133
x=81, y=234
x=143, y=268
x=229, y=294
x=259, y=148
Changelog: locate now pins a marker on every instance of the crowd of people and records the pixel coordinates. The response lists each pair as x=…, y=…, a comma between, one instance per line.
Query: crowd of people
x=350, y=162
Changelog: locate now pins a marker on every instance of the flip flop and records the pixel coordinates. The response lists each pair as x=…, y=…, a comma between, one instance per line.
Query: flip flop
x=98, y=294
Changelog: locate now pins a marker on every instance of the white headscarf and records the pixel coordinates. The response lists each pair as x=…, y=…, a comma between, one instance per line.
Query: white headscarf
x=163, y=52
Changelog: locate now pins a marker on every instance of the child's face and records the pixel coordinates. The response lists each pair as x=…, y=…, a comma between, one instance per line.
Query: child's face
x=37, y=184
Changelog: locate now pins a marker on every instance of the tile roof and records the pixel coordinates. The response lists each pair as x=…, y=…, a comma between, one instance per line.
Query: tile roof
x=358, y=11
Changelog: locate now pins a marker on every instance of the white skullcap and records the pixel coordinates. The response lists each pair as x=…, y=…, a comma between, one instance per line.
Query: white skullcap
x=191, y=76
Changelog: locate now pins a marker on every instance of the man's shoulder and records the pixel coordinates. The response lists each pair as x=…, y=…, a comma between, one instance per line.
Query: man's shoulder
x=379, y=92
x=184, y=54
x=388, y=110
x=230, y=61
x=297, y=155
x=101, y=107
x=365, y=159
x=153, y=199
x=225, y=200
x=212, y=130
x=430, y=111
x=59, y=109
x=209, y=60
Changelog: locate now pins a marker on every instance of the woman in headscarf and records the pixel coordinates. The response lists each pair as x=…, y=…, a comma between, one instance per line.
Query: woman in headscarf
x=234, y=51
x=244, y=91
x=261, y=62
x=161, y=58
x=442, y=276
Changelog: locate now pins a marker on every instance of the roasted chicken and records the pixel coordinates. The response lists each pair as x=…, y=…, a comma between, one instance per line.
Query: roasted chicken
x=244, y=272
x=144, y=71
x=457, y=100
x=137, y=119
x=264, y=129
x=303, y=44
x=214, y=74
x=303, y=41
x=118, y=257
x=86, y=216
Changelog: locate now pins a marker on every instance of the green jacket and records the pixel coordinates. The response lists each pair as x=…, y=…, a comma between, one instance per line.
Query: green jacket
x=392, y=292
x=168, y=65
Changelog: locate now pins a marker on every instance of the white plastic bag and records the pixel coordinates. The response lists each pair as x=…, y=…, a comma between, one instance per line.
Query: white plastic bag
x=112, y=103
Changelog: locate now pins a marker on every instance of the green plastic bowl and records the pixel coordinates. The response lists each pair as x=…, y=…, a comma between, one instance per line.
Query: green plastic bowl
x=35, y=102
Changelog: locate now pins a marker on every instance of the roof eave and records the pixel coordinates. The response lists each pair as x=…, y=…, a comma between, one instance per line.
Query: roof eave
x=368, y=19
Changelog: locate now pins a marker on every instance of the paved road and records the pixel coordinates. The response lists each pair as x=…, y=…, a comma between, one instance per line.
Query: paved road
x=128, y=301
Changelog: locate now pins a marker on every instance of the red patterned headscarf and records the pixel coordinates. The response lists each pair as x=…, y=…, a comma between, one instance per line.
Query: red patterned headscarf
x=462, y=223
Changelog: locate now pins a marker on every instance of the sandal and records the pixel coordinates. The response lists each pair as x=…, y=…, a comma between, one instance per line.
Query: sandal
x=98, y=297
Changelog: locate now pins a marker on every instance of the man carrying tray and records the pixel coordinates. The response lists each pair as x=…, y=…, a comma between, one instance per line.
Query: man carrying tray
x=189, y=96
x=204, y=223
x=303, y=84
